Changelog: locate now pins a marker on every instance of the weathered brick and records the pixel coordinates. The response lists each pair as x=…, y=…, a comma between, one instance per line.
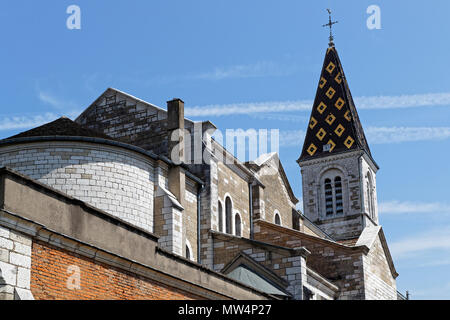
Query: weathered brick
x=51, y=270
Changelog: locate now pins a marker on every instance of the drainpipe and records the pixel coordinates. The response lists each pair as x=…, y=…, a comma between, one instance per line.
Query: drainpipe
x=199, y=191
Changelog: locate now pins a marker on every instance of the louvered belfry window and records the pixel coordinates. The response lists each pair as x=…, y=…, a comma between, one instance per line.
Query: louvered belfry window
x=338, y=195
x=328, y=197
x=334, y=203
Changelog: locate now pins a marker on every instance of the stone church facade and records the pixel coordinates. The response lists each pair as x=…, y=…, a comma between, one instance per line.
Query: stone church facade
x=98, y=208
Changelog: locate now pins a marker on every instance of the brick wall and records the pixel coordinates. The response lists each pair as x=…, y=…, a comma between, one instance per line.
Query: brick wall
x=53, y=268
x=115, y=180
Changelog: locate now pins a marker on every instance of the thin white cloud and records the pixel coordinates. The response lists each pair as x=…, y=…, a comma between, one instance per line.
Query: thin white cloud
x=281, y=117
x=379, y=135
x=404, y=101
x=247, y=108
x=240, y=71
x=31, y=121
x=362, y=103
x=23, y=122
x=383, y=135
x=408, y=207
x=291, y=138
x=55, y=102
x=259, y=69
x=435, y=263
x=438, y=239
x=438, y=292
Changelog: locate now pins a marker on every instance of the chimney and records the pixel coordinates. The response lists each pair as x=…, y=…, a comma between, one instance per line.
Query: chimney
x=175, y=129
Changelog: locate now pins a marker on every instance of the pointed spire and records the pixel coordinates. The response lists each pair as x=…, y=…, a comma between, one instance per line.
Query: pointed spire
x=334, y=126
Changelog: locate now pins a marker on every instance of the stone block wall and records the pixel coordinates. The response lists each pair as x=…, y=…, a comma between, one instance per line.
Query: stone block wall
x=346, y=227
x=379, y=282
x=276, y=198
x=367, y=168
x=190, y=218
x=341, y=265
x=128, y=120
x=232, y=185
x=209, y=213
x=15, y=264
x=115, y=180
x=345, y=165
x=288, y=265
x=168, y=221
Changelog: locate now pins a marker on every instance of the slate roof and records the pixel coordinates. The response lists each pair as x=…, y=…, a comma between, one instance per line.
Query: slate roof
x=250, y=278
x=61, y=127
x=334, y=125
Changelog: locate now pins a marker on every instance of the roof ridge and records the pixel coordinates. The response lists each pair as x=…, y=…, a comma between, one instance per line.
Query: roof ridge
x=63, y=126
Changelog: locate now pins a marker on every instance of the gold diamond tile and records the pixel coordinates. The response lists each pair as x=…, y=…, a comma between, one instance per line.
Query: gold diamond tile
x=339, y=103
x=330, y=68
x=338, y=78
x=331, y=142
x=330, y=93
x=322, y=82
x=348, y=116
x=349, y=142
x=339, y=130
x=330, y=119
x=321, y=108
x=312, y=123
x=312, y=149
x=321, y=134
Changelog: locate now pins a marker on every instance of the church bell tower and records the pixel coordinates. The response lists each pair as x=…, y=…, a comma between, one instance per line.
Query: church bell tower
x=338, y=171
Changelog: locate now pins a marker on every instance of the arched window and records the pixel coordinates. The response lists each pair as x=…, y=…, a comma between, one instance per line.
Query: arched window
x=188, y=253
x=338, y=195
x=328, y=197
x=277, y=219
x=237, y=225
x=228, y=214
x=220, y=217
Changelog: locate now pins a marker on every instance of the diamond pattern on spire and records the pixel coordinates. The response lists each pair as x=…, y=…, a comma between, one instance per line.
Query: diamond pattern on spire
x=334, y=125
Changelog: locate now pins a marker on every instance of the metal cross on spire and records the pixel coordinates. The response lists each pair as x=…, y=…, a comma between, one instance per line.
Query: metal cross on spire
x=330, y=24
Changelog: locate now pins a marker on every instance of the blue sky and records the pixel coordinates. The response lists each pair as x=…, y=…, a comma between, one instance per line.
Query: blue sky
x=251, y=59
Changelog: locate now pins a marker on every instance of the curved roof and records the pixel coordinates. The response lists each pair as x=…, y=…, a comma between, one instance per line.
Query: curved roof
x=64, y=129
